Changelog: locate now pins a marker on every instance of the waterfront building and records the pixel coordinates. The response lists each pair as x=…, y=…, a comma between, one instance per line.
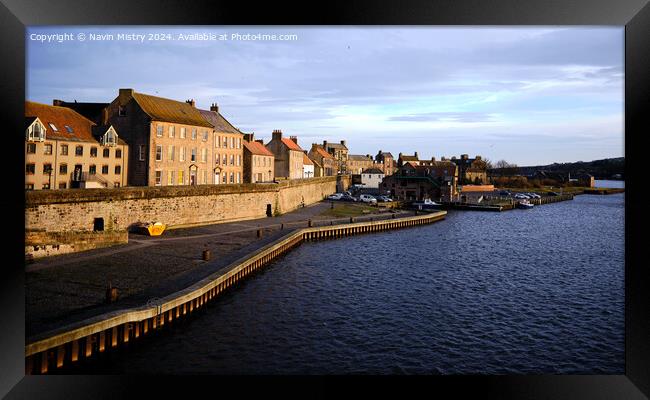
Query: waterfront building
x=372, y=177
x=174, y=143
x=357, y=163
x=340, y=153
x=258, y=161
x=471, y=170
x=324, y=160
x=308, y=168
x=387, y=161
x=404, y=158
x=228, y=149
x=64, y=149
x=438, y=180
x=288, y=156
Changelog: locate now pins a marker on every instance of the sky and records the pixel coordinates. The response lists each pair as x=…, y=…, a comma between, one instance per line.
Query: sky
x=527, y=95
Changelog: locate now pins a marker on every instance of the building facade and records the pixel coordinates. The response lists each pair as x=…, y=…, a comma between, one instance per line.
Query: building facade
x=288, y=156
x=437, y=181
x=325, y=161
x=404, y=158
x=340, y=153
x=308, y=167
x=371, y=178
x=357, y=163
x=228, y=148
x=63, y=150
x=471, y=170
x=258, y=162
x=387, y=162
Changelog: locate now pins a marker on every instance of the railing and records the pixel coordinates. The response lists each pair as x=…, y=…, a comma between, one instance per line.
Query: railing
x=88, y=177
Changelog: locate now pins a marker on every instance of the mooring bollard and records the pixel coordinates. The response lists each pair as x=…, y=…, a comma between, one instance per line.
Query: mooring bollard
x=259, y=233
x=351, y=220
x=206, y=255
x=310, y=223
x=111, y=294
x=281, y=226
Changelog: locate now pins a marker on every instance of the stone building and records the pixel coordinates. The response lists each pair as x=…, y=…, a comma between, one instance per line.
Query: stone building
x=471, y=170
x=324, y=160
x=340, y=153
x=63, y=149
x=288, y=156
x=308, y=167
x=228, y=149
x=403, y=159
x=438, y=180
x=258, y=162
x=372, y=177
x=387, y=162
x=357, y=163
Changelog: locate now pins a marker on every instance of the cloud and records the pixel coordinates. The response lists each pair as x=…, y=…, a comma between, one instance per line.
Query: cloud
x=445, y=116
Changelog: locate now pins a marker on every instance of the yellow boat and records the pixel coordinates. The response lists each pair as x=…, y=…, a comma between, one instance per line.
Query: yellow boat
x=156, y=229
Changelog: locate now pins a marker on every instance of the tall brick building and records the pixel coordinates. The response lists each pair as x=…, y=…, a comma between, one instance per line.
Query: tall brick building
x=340, y=153
x=288, y=156
x=258, y=162
x=63, y=150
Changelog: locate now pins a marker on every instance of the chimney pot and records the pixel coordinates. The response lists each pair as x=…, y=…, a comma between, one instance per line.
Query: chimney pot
x=214, y=107
x=58, y=103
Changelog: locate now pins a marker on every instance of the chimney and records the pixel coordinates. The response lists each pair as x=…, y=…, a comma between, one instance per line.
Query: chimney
x=478, y=158
x=260, y=141
x=453, y=157
x=464, y=156
x=433, y=159
x=443, y=158
x=325, y=144
x=294, y=139
x=125, y=95
x=214, y=107
x=416, y=154
x=58, y=103
x=343, y=143
x=277, y=134
x=248, y=137
x=191, y=102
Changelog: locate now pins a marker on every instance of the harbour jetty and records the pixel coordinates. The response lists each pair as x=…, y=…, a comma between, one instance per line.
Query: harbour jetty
x=56, y=349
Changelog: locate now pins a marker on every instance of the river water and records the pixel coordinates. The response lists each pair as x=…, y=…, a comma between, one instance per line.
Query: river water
x=519, y=292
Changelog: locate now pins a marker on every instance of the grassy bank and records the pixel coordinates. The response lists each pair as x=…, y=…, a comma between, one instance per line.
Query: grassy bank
x=341, y=210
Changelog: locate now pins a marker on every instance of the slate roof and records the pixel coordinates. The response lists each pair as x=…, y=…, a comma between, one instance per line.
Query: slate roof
x=257, y=148
x=336, y=146
x=356, y=157
x=219, y=123
x=372, y=171
x=409, y=158
x=167, y=110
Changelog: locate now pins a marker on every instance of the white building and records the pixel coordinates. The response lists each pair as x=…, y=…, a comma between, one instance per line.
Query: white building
x=307, y=167
x=371, y=178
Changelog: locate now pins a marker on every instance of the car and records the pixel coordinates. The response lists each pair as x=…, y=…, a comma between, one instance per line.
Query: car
x=384, y=199
x=521, y=196
x=533, y=195
x=505, y=193
x=366, y=198
x=335, y=196
x=553, y=194
x=347, y=197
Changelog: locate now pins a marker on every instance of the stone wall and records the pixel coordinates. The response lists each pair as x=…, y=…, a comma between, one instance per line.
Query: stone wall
x=45, y=244
x=175, y=206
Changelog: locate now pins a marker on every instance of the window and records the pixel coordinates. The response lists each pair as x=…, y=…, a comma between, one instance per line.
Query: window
x=79, y=151
x=29, y=186
x=172, y=131
x=118, y=153
x=53, y=127
x=159, y=153
x=63, y=169
x=92, y=170
x=217, y=159
x=193, y=158
x=232, y=142
x=204, y=155
x=45, y=186
x=225, y=178
x=159, y=130
x=105, y=169
x=232, y=177
x=205, y=136
x=93, y=151
x=182, y=133
x=225, y=161
x=31, y=148
x=232, y=159
x=30, y=168
x=48, y=149
x=116, y=184
x=64, y=149
x=238, y=177
x=225, y=142
x=239, y=143
x=216, y=141
x=193, y=133
x=118, y=169
x=170, y=178
x=69, y=129
x=36, y=132
x=121, y=111
x=170, y=153
x=180, y=177
x=181, y=157
x=106, y=153
x=142, y=152
x=238, y=160
x=63, y=185
x=158, y=178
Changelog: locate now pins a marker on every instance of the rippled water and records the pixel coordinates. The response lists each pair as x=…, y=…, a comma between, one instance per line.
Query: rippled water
x=524, y=291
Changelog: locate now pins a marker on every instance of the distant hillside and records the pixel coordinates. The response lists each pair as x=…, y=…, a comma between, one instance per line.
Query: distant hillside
x=600, y=169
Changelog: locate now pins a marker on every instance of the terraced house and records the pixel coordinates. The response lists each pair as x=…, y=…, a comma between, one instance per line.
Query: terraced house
x=288, y=156
x=64, y=150
x=174, y=143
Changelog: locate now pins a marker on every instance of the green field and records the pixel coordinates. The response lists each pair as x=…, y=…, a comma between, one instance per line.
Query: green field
x=342, y=209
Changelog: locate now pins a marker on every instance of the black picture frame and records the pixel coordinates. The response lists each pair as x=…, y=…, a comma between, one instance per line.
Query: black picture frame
x=633, y=14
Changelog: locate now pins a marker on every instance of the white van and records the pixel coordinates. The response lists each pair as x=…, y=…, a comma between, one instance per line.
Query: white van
x=366, y=198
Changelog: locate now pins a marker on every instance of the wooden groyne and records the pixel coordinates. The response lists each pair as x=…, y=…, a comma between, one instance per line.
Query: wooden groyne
x=70, y=344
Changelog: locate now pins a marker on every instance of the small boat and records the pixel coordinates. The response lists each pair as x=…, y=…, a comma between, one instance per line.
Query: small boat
x=525, y=204
x=151, y=228
x=426, y=204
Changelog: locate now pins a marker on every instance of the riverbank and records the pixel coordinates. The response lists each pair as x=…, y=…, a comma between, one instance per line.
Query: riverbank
x=70, y=342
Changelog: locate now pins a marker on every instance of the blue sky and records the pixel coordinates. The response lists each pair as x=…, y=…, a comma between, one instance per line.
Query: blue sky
x=529, y=95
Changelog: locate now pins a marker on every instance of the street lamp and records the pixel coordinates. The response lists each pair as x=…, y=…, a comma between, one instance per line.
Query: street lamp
x=48, y=170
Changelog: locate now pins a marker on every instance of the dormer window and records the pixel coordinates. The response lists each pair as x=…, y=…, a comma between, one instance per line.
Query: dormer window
x=36, y=132
x=109, y=138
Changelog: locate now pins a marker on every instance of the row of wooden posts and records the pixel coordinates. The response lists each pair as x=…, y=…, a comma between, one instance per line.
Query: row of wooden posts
x=69, y=347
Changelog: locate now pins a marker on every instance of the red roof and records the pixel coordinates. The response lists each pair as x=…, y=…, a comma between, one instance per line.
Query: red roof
x=306, y=160
x=323, y=153
x=291, y=144
x=257, y=148
x=61, y=117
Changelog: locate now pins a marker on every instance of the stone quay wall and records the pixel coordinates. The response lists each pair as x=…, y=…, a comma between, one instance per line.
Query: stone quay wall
x=176, y=206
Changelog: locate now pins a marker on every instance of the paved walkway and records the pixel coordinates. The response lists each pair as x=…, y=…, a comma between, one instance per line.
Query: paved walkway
x=69, y=288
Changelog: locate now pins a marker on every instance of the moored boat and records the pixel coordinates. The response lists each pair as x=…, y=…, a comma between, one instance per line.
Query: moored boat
x=426, y=204
x=525, y=204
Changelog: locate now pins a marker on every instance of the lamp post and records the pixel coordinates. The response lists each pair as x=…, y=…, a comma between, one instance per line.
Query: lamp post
x=48, y=170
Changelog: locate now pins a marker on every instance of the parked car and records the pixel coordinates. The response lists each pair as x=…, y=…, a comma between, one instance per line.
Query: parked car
x=384, y=199
x=533, y=195
x=347, y=197
x=553, y=194
x=366, y=198
x=521, y=196
x=335, y=196
x=505, y=193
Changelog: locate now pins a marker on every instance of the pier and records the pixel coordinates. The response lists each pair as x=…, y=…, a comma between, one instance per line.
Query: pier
x=69, y=344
